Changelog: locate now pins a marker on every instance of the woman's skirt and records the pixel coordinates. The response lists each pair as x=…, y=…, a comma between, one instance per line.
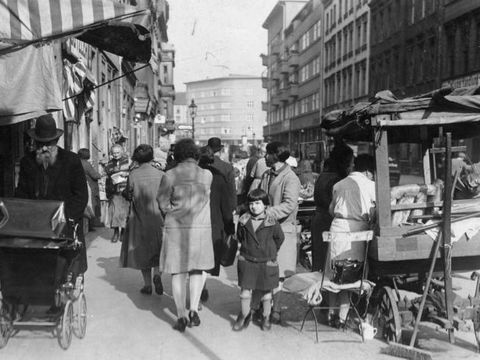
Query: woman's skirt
x=118, y=211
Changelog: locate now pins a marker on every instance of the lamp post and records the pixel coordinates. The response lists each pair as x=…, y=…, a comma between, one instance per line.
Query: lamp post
x=193, y=112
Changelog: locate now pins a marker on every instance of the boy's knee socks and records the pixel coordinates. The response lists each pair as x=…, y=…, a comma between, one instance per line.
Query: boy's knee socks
x=245, y=302
x=267, y=304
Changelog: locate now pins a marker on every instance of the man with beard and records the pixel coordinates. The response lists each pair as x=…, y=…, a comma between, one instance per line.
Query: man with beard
x=52, y=173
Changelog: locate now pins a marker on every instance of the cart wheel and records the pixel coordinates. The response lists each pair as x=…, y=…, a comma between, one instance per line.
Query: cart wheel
x=64, y=326
x=386, y=317
x=80, y=316
x=6, y=326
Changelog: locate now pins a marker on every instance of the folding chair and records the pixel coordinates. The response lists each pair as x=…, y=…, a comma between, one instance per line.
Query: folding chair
x=363, y=288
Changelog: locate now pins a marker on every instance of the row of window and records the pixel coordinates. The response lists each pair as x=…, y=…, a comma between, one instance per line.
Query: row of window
x=345, y=7
x=224, y=118
x=222, y=105
x=343, y=44
x=309, y=70
x=305, y=105
x=218, y=92
x=309, y=37
x=347, y=84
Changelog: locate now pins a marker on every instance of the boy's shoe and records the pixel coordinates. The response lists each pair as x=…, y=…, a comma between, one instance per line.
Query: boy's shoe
x=194, y=318
x=146, y=290
x=275, y=317
x=242, y=322
x=266, y=324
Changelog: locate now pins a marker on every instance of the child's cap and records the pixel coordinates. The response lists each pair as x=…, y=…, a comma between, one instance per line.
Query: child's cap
x=258, y=194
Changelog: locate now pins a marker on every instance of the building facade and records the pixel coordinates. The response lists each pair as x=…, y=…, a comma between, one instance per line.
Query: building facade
x=281, y=74
x=404, y=46
x=166, y=88
x=183, y=122
x=346, y=60
x=229, y=108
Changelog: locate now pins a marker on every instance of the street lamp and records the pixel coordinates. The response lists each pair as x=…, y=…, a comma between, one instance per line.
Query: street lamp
x=193, y=112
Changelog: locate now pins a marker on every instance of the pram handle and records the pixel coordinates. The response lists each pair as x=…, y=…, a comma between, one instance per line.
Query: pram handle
x=4, y=211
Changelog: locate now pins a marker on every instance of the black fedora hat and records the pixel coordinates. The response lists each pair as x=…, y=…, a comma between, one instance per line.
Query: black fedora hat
x=45, y=129
x=215, y=144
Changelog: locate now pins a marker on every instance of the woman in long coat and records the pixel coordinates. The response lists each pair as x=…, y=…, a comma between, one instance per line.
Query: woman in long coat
x=143, y=236
x=283, y=188
x=187, y=250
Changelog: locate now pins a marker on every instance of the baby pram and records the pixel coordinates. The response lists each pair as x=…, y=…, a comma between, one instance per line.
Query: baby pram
x=39, y=251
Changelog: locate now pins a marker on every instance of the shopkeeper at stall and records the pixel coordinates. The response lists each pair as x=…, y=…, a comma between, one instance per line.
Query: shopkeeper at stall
x=352, y=208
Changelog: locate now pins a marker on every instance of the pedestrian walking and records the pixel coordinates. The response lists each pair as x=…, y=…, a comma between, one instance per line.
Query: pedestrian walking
x=117, y=175
x=260, y=236
x=52, y=173
x=143, y=235
x=220, y=212
x=283, y=188
x=187, y=250
x=337, y=167
x=92, y=176
x=225, y=168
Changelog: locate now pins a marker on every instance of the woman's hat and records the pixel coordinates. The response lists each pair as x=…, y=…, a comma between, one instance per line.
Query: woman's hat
x=45, y=129
x=215, y=144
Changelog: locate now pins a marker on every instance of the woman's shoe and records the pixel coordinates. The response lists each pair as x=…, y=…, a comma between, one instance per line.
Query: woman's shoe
x=181, y=324
x=242, y=322
x=266, y=324
x=275, y=318
x=194, y=318
x=157, y=282
x=147, y=290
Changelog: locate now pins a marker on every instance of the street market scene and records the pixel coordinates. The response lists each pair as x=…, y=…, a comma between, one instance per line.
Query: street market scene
x=217, y=179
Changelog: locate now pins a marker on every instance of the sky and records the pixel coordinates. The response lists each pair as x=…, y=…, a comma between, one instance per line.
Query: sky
x=214, y=38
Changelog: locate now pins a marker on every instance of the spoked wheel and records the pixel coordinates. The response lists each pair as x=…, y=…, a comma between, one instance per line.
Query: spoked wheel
x=64, y=326
x=80, y=316
x=6, y=326
x=386, y=317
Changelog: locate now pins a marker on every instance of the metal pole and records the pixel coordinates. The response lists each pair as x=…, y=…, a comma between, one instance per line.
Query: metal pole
x=447, y=242
x=193, y=127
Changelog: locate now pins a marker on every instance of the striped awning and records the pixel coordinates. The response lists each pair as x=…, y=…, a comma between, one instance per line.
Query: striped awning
x=106, y=24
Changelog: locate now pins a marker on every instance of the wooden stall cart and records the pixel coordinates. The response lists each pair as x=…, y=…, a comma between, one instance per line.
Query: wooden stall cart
x=401, y=251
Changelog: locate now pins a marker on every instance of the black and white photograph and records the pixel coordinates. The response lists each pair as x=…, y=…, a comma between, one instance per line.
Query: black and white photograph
x=239, y=179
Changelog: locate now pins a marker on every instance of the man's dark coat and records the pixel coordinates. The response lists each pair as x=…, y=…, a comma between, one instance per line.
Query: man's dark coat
x=65, y=181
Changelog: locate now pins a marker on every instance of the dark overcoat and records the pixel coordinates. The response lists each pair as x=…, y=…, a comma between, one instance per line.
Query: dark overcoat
x=63, y=181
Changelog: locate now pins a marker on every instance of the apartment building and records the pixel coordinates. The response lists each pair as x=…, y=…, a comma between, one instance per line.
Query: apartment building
x=229, y=108
x=183, y=122
x=404, y=46
x=281, y=76
x=346, y=60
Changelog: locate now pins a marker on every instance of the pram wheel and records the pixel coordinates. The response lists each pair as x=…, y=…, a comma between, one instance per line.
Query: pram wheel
x=386, y=317
x=64, y=326
x=80, y=316
x=6, y=326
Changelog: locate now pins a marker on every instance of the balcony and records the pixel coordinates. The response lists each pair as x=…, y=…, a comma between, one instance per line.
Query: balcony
x=284, y=68
x=275, y=100
x=293, y=59
x=265, y=82
x=276, y=47
x=283, y=96
x=265, y=59
x=293, y=90
x=275, y=75
x=265, y=106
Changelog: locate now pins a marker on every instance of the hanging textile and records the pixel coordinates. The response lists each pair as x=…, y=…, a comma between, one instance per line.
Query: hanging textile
x=29, y=84
x=105, y=24
x=78, y=94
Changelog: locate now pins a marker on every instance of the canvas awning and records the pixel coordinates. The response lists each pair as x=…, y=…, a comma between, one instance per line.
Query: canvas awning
x=455, y=110
x=106, y=24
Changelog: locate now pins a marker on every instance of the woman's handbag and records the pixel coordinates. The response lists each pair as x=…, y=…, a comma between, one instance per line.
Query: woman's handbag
x=347, y=271
x=229, y=251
